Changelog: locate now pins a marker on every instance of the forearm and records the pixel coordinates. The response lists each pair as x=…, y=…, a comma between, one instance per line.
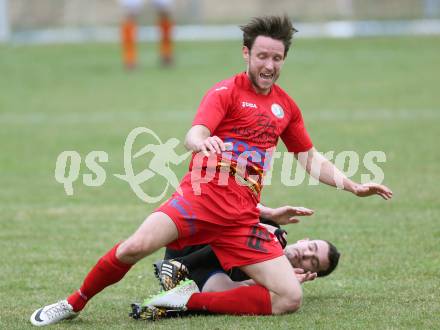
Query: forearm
x=265, y=212
x=332, y=176
x=325, y=171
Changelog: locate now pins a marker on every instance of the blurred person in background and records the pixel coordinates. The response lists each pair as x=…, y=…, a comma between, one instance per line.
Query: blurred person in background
x=165, y=27
x=131, y=9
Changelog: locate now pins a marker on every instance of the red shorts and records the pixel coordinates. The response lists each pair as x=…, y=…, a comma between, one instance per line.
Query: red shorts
x=234, y=245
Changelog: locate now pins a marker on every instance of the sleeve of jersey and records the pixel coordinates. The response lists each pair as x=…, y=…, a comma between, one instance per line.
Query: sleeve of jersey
x=212, y=109
x=295, y=136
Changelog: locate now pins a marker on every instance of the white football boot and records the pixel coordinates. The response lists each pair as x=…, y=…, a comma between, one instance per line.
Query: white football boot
x=175, y=299
x=54, y=313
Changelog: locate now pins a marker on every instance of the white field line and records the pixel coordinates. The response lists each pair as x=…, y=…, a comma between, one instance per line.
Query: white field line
x=141, y=117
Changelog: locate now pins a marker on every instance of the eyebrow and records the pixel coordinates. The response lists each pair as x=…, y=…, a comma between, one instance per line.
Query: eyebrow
x=266, y=52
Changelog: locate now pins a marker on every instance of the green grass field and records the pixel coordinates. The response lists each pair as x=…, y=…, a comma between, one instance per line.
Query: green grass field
x=364, y=94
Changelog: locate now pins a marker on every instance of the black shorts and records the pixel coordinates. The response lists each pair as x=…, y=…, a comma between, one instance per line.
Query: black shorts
x=203, y=272
x=211, y=265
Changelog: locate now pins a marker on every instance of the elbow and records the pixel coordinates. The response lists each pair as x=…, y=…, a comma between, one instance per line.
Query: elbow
x=187, y=143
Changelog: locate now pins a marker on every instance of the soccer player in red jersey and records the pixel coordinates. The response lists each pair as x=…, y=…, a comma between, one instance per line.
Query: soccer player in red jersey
x=219, y=195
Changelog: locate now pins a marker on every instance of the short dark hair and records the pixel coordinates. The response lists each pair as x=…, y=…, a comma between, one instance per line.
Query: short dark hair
x=275, y=27
x=333, y=258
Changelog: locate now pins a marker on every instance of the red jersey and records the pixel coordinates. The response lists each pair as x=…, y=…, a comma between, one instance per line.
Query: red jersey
x=234, y=112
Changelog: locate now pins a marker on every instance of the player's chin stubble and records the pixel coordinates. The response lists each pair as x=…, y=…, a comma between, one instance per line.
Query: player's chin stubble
x=254, y=81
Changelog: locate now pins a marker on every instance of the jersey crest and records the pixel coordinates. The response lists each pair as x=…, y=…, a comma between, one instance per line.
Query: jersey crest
x=277, y=110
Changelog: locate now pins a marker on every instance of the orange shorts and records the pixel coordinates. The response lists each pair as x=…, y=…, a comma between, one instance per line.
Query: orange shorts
x=234, y=245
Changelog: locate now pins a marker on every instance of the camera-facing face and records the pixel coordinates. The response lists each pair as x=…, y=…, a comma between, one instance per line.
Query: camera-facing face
x=310, y=255
x=264, y=62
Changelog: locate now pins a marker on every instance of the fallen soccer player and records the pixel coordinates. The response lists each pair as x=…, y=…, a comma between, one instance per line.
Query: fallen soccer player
x=200, y=271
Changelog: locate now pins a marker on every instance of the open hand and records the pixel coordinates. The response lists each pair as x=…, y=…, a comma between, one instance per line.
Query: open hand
x=286, y=214
x=304, y=276
x=213, y=144
x=371, y=188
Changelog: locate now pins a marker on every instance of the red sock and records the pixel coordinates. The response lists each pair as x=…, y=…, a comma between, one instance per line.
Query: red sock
x=245, y=300
x=107, y=271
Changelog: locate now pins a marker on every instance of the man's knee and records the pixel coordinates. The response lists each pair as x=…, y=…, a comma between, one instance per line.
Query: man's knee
x=293, y=303
x=289, y=302
x=134, y=249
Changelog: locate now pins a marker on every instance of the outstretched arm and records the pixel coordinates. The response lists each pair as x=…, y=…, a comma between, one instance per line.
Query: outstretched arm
x=326, y=172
